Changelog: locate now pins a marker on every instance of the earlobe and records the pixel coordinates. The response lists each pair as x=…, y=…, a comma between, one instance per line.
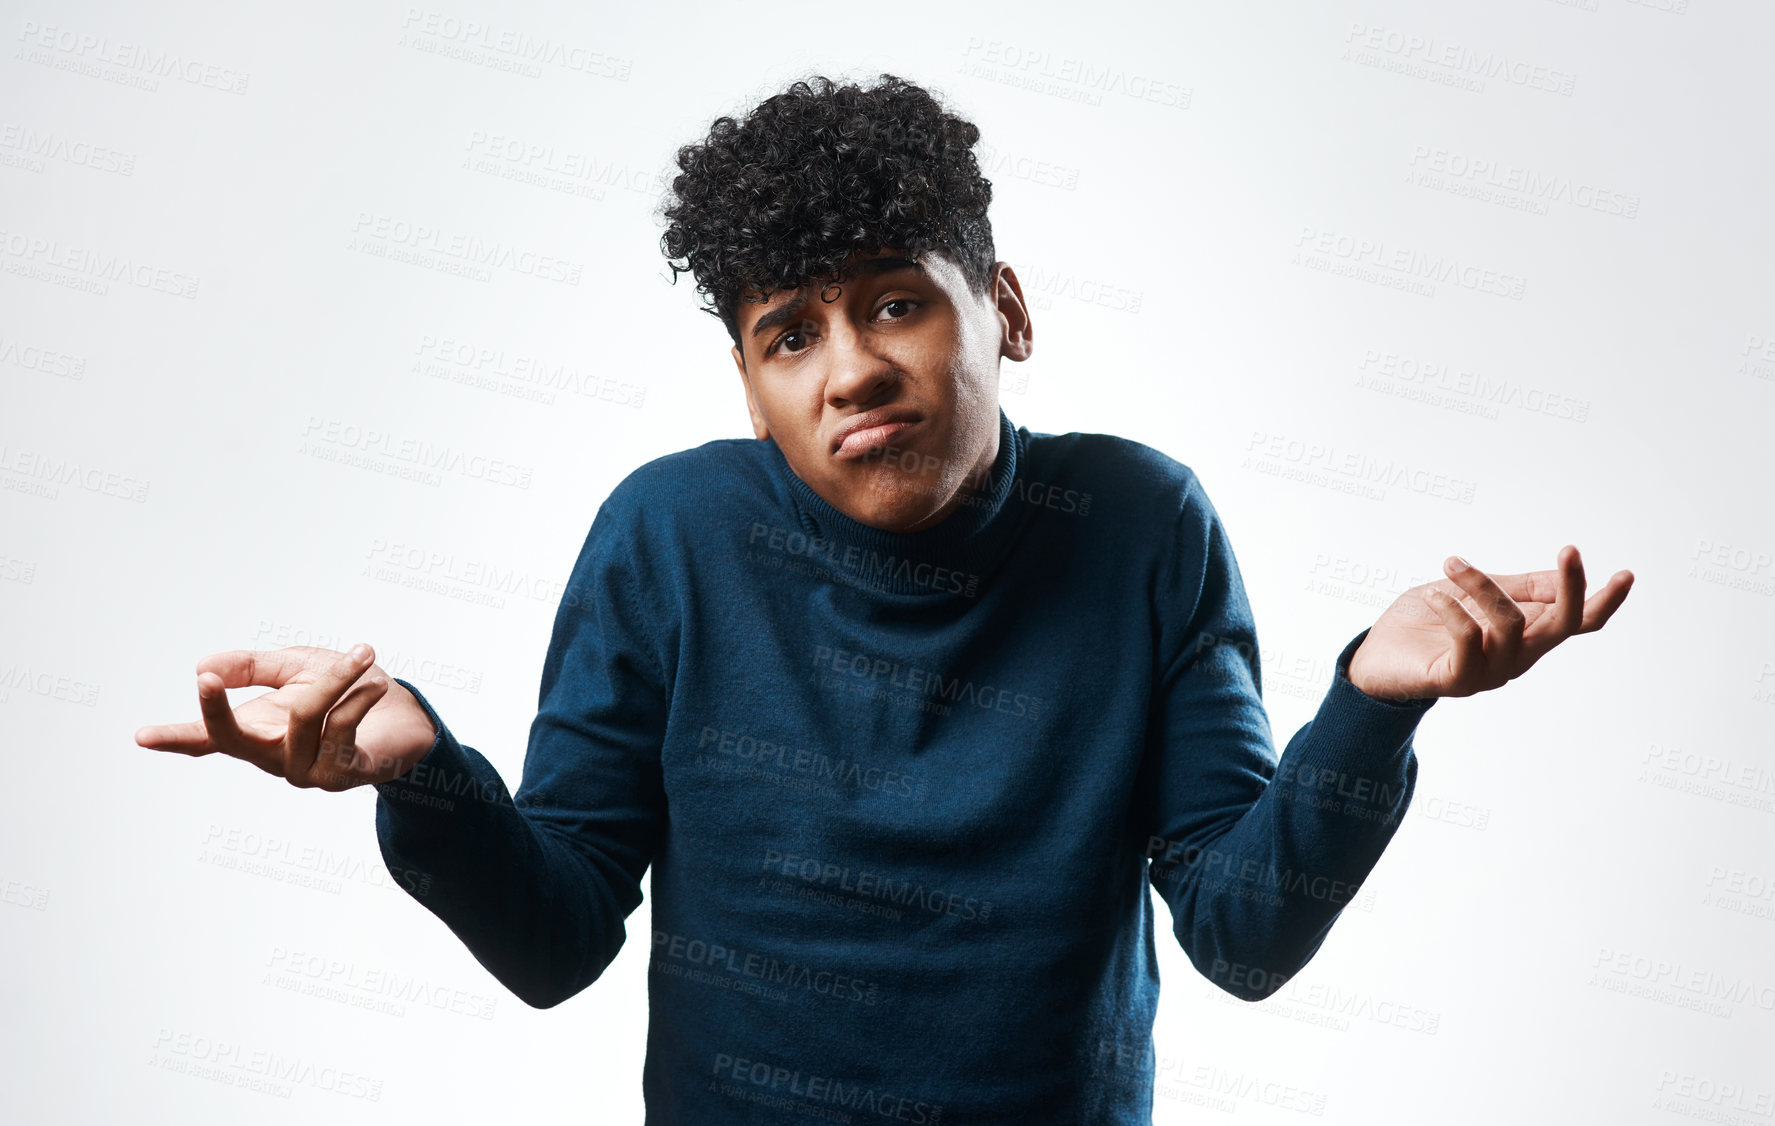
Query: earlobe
x=1018, y=332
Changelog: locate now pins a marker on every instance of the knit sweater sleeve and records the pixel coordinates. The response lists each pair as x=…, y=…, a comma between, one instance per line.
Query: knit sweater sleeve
x=1256, y=854
x=537, y=885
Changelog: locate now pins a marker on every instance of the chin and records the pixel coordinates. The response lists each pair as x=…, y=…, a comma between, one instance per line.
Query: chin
x=894, y=517
x=893, y=490
x=896, y=508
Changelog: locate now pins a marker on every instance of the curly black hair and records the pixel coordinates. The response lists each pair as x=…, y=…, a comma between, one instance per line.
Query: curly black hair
x=816, y=174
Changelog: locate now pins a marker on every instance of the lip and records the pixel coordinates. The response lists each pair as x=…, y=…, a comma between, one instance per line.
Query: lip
x=870, y=431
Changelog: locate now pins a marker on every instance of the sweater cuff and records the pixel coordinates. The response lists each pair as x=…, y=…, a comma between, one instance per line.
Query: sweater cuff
x=1355, y=731
x=446, y=775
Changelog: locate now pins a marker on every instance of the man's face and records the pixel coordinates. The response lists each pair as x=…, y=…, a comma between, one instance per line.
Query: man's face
x=884, y=398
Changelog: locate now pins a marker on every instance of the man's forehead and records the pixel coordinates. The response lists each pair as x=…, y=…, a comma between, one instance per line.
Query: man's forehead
x=858, y=265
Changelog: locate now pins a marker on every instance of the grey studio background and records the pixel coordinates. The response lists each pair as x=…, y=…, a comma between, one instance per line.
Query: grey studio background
x=1397, y=280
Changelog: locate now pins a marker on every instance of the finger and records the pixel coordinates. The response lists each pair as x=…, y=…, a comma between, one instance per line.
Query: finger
x=184, y=738
x=268, y=668
x=1501, y=611
x=1467, y=653
x=216, y=731
x=310, y=705
x=1603, y=604
x=225, y=734
x=335, y=766
x=1568, y=608
x=1567, y=612
x=218, y=717
x=1529, y=586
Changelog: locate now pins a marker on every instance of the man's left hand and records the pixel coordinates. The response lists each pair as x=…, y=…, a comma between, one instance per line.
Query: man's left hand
x=1473, y=632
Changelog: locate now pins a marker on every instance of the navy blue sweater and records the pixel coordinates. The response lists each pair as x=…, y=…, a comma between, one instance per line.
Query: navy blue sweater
x=903, y=794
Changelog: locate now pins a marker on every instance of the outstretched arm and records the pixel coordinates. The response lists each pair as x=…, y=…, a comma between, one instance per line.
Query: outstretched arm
x=1258, y=855
x=537, y=886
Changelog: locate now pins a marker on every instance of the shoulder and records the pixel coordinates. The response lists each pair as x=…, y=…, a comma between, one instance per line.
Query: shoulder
x=686, y=484
x=1127, y=475
x=665, y=511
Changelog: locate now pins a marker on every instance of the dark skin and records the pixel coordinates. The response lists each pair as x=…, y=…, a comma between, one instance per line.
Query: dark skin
x=1475, y=631
x=895, y=336
x=910, y=346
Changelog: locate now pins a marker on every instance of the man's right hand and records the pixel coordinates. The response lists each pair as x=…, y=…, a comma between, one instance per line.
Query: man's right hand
x=334, y=722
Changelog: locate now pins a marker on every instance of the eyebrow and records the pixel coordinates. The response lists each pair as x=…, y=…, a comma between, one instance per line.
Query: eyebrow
x=789, y=311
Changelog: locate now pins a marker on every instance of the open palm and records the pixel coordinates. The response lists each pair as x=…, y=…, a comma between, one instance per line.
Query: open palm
x=1474, y=631
x=333, y=720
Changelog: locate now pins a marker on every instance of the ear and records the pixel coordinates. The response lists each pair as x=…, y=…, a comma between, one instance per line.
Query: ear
x=758, y=426
x=1017, y=332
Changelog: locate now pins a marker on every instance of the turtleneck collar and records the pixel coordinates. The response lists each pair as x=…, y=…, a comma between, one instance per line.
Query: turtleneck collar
x=950, y=558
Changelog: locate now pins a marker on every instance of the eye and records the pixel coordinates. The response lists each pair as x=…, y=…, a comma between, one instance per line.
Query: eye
x=781, y=342
x=907, y=303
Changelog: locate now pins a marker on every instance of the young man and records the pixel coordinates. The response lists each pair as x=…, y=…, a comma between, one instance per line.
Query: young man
x=904, y=705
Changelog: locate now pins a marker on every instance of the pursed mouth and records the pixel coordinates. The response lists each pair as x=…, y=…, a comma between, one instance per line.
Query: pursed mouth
x=872, y=432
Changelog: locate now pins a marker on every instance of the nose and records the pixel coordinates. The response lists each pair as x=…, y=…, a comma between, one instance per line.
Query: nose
x=859, y=373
